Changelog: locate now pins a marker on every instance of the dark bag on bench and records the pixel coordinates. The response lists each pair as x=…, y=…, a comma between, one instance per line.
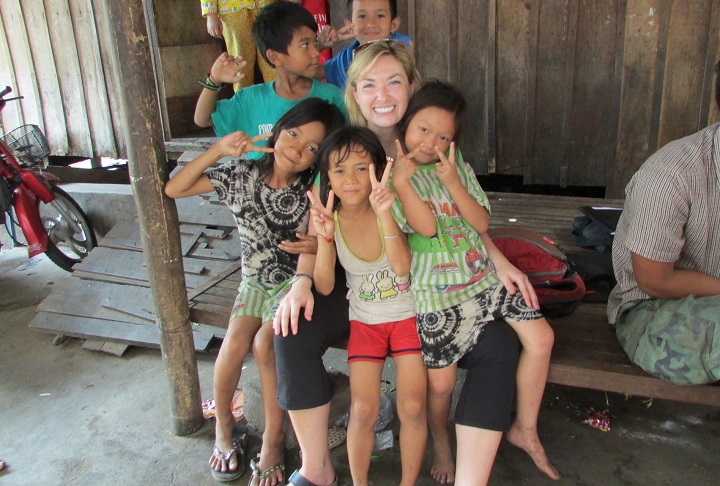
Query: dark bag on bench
x=558, y=286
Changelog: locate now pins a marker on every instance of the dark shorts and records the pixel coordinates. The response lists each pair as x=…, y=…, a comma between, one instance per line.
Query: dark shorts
x=303, y=381
x=487, y=396
x=373, y=342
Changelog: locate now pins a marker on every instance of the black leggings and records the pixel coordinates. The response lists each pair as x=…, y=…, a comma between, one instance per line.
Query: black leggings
x=486, y=399
x=303, y=381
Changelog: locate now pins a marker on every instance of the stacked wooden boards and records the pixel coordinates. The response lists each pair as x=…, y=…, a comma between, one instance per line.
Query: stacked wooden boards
x=108, y=296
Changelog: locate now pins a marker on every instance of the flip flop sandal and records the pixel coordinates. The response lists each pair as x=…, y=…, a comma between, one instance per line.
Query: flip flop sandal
x=336, y=437
x=257, y=473
x=239, y=438
x=297, y=479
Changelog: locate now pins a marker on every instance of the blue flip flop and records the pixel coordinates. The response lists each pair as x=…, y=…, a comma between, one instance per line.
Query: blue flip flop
x=239, y=439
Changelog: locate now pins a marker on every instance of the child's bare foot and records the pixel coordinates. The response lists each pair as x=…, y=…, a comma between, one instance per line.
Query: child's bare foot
x=529, y=441
x=269, y=466
x=443, y=467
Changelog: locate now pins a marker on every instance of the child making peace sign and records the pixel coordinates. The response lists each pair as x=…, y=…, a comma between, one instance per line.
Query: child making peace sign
x=359, y=230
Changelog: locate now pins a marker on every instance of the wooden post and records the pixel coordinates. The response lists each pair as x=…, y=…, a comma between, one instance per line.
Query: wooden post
x=159, y=228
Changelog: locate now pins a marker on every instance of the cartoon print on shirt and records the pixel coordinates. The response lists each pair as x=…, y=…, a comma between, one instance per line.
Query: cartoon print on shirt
x=402, y=284
x=367, y=288
x=385, y=285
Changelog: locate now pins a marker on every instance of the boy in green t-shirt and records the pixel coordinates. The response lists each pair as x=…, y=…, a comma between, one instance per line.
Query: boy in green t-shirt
x=285, y=34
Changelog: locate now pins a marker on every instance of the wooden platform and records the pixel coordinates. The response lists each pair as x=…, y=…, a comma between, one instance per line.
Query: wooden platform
x=109, y=297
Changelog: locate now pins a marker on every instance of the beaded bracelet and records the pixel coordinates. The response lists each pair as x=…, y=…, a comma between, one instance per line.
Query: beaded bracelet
x=210, y=84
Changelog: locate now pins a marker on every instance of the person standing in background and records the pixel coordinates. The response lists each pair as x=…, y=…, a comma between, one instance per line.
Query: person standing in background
x=321, y=11
x=232, y=20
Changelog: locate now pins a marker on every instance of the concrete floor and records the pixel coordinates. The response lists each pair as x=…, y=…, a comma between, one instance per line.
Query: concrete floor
x=69, y=416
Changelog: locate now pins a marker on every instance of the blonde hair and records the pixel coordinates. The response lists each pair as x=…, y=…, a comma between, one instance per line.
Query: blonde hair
x=364, y=62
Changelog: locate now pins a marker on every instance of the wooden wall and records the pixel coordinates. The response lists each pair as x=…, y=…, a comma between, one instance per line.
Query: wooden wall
x=51, y=52
x=561, y=92
x=572, y=92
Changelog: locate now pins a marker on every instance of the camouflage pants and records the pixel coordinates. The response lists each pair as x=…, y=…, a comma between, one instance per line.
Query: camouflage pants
x=676, y=340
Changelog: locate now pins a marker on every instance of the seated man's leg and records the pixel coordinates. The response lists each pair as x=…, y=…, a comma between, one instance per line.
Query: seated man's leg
x=674, y=339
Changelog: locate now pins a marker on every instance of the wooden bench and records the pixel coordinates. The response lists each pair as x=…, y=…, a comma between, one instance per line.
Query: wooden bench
x=587, y=353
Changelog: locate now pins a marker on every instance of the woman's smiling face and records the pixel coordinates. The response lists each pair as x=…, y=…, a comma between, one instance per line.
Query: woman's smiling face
x=383, y=94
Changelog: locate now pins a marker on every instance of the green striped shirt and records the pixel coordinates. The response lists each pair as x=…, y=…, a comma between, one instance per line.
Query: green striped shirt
x=452, y=266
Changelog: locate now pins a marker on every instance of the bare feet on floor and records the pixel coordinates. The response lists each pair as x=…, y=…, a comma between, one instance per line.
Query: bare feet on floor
x=443, y=466
x=529, y=441
x=269, y=470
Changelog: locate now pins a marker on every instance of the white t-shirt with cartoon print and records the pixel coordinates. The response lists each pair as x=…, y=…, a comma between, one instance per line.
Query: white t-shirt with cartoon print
x=377, y=295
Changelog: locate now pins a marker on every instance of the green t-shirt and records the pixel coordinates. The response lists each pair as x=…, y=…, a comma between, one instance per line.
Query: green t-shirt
x=255, y=109
x=452, y=266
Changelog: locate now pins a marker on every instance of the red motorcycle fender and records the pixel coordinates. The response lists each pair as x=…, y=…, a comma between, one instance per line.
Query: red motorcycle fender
x=37, y=186
x=27, y=210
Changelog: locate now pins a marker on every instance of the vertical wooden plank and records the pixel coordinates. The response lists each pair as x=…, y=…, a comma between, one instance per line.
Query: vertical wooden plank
x=20, y=62
x=488, y=138
x=663, y=14
x=93, y=79
x=640, y=56
x=49, y=95
x=11, y=116
x=434, y=24
x=469, y=73
x=709, y=112
x=532, y=75
x=110, y=74
x=592, y=122
x=410, y=19
x=552, y=52
x=67, y=64
x=568, y=90
x=512, y=89
x=684, y=69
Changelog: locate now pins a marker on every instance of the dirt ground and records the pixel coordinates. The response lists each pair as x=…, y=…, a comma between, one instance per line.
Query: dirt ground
x=69, y=416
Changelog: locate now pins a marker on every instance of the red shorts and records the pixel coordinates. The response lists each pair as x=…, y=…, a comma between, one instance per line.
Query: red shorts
x=374, y=342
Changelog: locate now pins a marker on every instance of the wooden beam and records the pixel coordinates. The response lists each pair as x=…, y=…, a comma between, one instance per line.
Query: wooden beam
x=159, y=227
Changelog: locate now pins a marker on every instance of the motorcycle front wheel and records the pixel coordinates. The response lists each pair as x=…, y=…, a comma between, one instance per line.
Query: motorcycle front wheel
x=71, y=236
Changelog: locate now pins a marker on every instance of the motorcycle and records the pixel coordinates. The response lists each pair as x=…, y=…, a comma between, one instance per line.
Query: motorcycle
x=50, y=220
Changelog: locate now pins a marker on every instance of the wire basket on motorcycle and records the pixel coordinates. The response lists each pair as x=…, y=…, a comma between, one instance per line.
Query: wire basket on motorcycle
x=28, y=144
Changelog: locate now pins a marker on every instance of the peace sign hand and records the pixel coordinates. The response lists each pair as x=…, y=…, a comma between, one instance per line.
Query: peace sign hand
x=237, y=143
x=446, y=168
x=322, y=216
x=381, y=196
x=405, y=168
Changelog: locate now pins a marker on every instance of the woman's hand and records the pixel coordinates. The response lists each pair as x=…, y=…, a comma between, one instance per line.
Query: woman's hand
x=288, y=311
x=381, y=196
x=305, y=244
x=322, y=216
x=513, y=279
